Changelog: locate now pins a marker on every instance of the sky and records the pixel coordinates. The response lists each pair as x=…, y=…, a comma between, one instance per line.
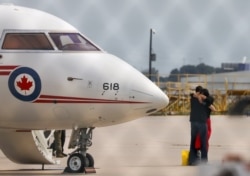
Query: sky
x=186, y=31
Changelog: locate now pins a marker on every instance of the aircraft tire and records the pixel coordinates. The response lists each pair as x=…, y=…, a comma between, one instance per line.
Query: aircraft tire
x=90, y=159
x=76, y=163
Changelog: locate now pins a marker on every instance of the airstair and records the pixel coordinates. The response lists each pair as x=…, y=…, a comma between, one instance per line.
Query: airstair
x=27, y=147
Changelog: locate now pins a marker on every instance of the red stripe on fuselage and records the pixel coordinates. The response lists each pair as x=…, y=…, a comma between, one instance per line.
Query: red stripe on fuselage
x=68, y=98
x=63, y=99
x=96, y=102
x=4, y=72
x=8, y=67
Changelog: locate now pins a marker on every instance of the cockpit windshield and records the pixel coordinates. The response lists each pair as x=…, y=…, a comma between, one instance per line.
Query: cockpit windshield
x=72, y=42
x=26, y=41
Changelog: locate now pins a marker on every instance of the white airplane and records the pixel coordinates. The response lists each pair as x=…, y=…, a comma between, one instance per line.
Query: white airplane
x=53, y=77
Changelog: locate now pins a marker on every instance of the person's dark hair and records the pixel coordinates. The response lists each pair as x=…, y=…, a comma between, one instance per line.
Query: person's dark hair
x=198, y=89
x=205, y=92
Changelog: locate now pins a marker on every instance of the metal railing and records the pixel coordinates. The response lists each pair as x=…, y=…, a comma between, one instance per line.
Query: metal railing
x=225, y=88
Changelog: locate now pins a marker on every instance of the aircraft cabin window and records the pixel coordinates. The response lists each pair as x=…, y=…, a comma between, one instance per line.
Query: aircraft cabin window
x=72, y=42
x=26, y=41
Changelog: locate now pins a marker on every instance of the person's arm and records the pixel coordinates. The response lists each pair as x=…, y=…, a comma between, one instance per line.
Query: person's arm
x=212, y=107
x=199, y=96
x=210, y=101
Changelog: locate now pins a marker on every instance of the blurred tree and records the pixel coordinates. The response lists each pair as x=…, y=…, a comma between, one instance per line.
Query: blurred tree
x=188, y=69
x=191, y=69
x=204, y=69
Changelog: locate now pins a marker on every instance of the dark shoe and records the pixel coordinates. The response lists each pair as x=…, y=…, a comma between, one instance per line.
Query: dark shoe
x=60, y=155
x=64, y=154
x=193, y=164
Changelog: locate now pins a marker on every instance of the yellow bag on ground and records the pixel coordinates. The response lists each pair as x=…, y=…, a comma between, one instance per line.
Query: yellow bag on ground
x=184, y=157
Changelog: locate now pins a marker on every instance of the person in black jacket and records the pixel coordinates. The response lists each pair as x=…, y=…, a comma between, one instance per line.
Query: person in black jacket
x=198, y=118
x=207, y=100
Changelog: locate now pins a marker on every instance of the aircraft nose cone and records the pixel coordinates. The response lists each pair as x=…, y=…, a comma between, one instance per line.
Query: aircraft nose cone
x=150, y=96
x=160, y=99
x=163, y=100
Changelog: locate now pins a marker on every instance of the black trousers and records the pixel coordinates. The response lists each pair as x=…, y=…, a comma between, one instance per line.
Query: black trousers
x=201, y=129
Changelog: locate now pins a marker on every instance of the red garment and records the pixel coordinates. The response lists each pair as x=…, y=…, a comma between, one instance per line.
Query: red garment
x=209, y=131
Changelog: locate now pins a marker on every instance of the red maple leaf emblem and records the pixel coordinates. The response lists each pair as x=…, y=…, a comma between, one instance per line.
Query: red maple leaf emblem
x=24, y=84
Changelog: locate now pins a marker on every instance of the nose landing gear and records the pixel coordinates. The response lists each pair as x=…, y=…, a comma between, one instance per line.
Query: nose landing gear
x=79, y=160
x=79, y=163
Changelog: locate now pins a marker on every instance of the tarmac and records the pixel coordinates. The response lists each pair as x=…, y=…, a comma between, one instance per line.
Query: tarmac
x=150, y=146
